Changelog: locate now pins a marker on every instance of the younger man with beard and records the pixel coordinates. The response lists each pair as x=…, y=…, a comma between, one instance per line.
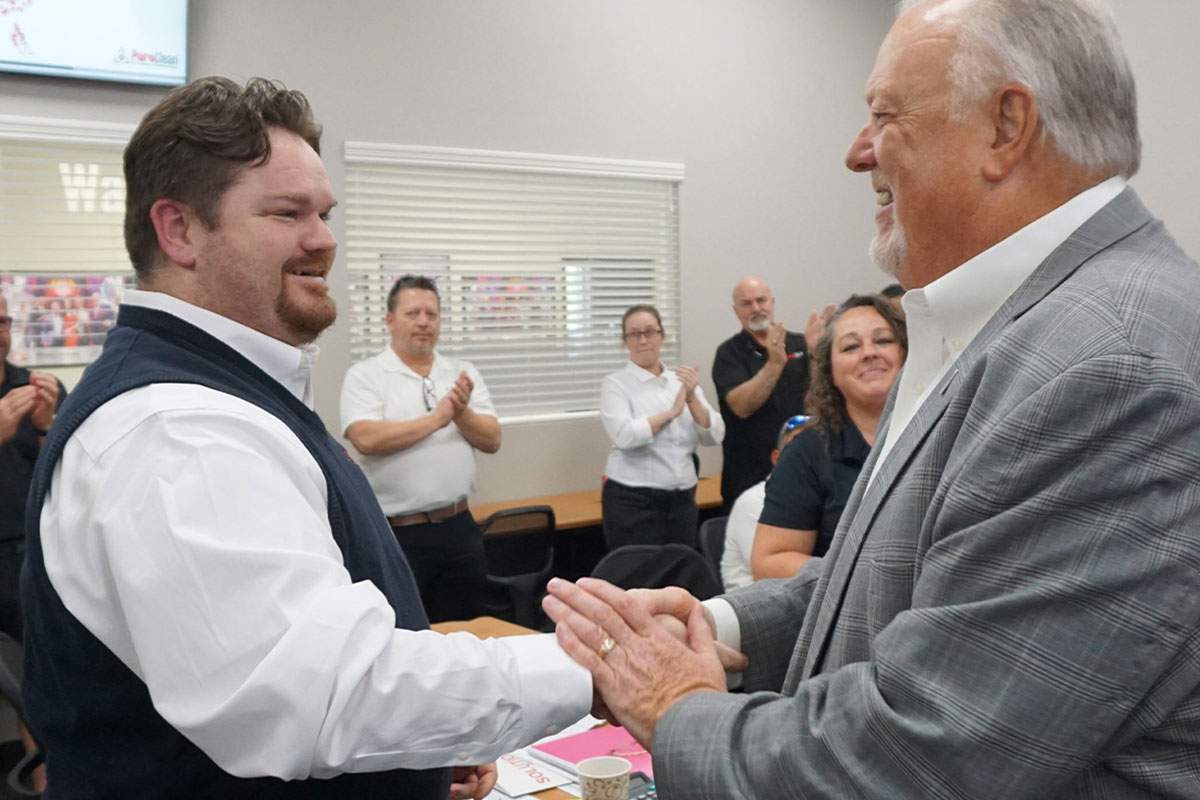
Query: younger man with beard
x=215, y=605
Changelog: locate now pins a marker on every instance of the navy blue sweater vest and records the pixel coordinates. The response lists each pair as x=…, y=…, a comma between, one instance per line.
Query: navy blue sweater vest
x=92, y=715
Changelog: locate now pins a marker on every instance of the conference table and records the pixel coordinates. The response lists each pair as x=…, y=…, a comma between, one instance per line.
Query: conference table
x=574, y=510
x=486, y=628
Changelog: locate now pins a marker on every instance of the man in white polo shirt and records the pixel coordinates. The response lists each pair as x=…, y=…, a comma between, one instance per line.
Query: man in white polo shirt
x=416, y=417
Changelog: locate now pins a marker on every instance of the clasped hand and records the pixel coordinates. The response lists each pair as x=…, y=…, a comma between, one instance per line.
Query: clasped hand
x=38, y=401
x=472, y=783
x=455, y=401
x=689, y=379
x=664, y=647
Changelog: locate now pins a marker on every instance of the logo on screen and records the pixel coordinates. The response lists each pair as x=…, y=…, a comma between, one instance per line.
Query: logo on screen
x=146, y=58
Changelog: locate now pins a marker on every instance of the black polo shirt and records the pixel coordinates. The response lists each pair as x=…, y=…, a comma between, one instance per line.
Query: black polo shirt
x=748, y=442
x=810, y=485
x=17, y=457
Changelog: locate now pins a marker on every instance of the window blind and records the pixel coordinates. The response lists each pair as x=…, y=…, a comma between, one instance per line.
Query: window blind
x=63, y=264
x=62, y=198
x=536, y=259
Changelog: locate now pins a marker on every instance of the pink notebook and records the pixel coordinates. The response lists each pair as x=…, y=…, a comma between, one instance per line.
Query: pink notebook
x=609, y=740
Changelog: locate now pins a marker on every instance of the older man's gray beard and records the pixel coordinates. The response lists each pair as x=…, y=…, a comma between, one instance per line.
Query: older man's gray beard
x=889, y=250
x=759, y=323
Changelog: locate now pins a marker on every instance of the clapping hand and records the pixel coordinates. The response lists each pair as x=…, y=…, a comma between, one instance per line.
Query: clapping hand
x=14, y=407
x=689, y=377
x=46, y=404
x=681, y=399
x=455, y=401
x=777, y=344
x=461, y=392
x=817, y=321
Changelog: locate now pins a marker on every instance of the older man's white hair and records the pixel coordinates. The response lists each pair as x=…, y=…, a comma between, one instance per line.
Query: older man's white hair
x=1068, y=53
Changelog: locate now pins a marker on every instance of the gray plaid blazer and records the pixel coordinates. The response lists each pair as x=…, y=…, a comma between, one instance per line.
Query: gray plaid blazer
x=1012, y=610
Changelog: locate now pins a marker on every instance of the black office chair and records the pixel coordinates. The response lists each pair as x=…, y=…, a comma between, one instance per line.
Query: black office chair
x=655, y=566
x=519, y=545
x=12, y=671
x=712, y=542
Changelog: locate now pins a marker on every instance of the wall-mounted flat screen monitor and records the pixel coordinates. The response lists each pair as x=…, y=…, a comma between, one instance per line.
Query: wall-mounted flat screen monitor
x=131, y=41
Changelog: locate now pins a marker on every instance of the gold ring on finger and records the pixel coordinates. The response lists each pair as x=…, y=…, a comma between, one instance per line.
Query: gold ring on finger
x=605, y=647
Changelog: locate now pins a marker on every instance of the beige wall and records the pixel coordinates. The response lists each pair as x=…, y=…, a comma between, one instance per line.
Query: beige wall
x=757, y=98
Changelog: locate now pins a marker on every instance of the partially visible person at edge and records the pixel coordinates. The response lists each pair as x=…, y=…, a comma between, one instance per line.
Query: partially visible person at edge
x=215, y=603
x=416, y=418
x=743, y=518
x=655, y=419
x=28, y=402
x=1009, y=608
x=854, y=366
x=761, y=376
x=894, y=294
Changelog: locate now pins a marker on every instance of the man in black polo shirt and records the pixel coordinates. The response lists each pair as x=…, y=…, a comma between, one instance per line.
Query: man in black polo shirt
x=761, y=375
x=28, y=401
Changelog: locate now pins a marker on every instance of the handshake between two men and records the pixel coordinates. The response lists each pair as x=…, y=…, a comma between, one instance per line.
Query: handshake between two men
x=646, y=648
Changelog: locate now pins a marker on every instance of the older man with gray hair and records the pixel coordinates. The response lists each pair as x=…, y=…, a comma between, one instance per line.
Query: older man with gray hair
x=1010, y=605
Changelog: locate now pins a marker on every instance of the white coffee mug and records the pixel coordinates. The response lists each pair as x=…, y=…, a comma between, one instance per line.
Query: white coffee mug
x=604, y=778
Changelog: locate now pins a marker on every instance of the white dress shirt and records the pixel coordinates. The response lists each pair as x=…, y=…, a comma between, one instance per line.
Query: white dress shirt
x=187, y=530
x=434, y=472
x=638, y=457
x=739, y=537
x=949, y=312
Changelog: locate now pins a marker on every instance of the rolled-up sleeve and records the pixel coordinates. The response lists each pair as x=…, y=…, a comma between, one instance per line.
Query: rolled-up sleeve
x=715, y=432
x=616, y=413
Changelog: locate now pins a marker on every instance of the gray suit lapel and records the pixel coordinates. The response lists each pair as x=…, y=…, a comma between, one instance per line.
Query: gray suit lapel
x=853, y=533
x=1121, y=217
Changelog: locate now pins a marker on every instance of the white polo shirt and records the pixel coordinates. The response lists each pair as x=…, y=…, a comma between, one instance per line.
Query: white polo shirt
x=434, y=472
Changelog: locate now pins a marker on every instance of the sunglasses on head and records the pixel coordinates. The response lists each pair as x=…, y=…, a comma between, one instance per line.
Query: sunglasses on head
x=428, y=393
x=795, y=422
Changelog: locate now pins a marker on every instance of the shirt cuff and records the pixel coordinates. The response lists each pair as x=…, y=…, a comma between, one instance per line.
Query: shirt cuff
x=729, y=630
x=542, y=664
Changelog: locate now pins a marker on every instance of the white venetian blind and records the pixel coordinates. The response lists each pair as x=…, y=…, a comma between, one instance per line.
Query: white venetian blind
x=62, y=196
x=536, y=259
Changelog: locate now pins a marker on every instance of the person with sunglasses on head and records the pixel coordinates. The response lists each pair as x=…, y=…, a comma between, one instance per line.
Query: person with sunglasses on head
x=855, y=363
x=416, y=418
x=655, y=419
x=743, y=518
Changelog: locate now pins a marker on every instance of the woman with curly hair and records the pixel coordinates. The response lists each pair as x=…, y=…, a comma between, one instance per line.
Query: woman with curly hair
x=855, y=364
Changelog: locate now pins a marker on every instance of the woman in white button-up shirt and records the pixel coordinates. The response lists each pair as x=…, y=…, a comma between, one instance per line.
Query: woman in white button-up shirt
x=655, y=419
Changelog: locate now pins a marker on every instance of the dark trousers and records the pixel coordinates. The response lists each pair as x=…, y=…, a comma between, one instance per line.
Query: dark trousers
x=640, y=515
x=12, y=554
x=448, y=562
